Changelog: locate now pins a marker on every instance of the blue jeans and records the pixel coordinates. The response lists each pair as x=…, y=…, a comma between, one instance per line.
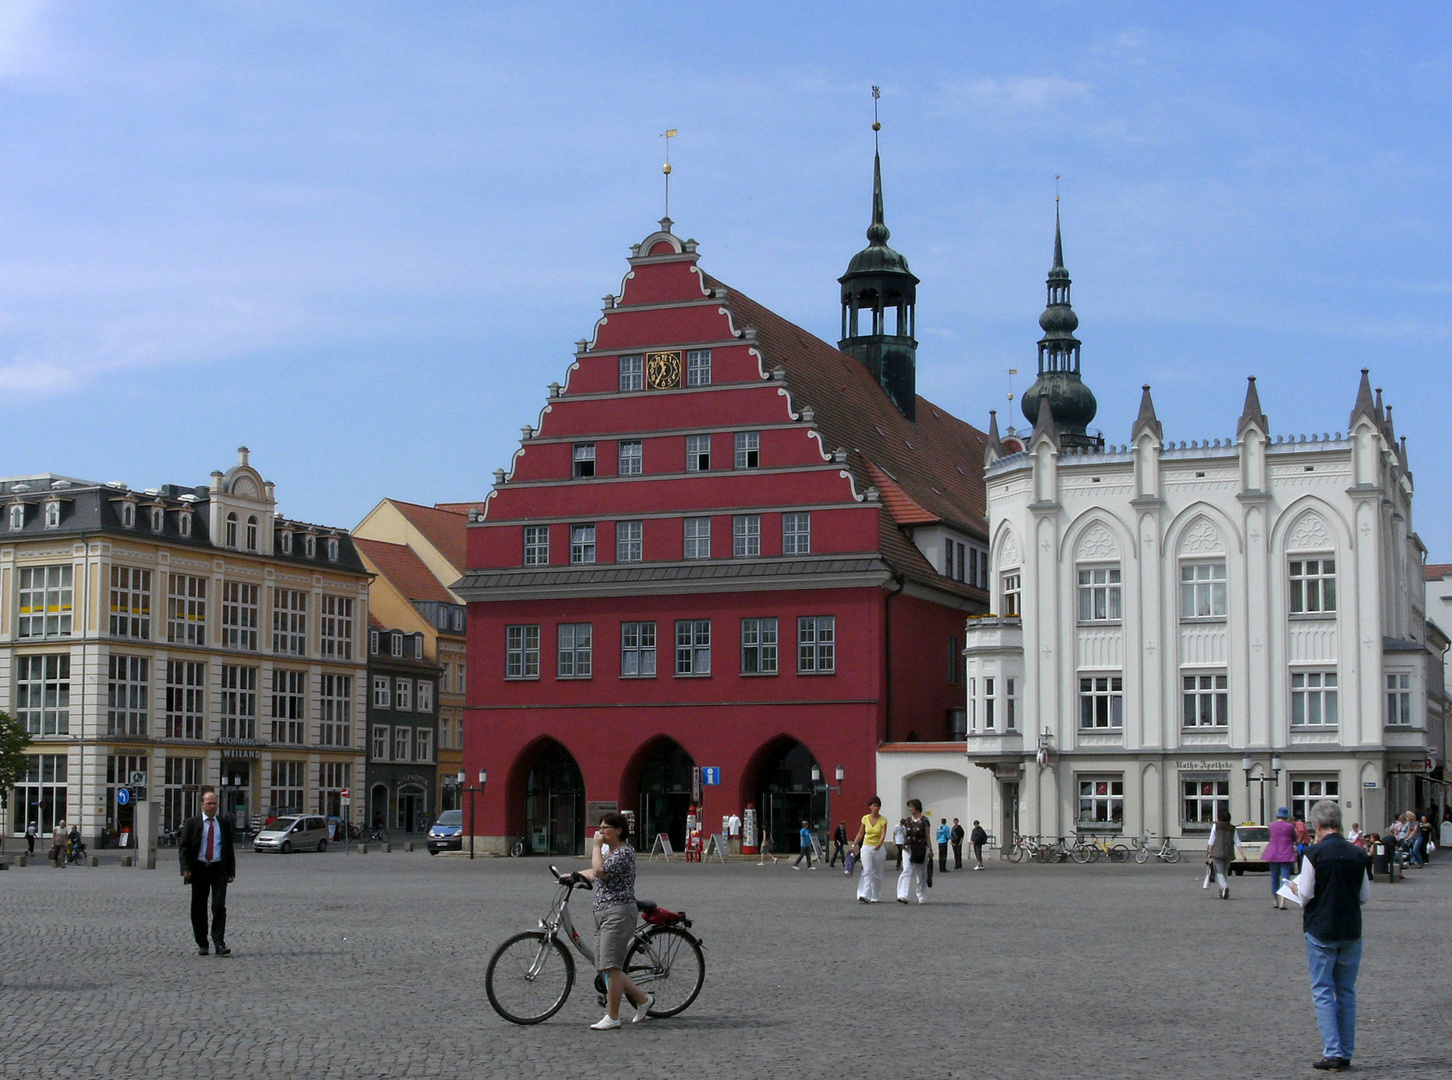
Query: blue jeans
x=1280, y=872
x=1334, y=966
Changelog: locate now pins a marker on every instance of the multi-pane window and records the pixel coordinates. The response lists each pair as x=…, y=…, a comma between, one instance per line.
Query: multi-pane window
x=1206, y=700
x=1398, y=697
x=1313, y=586
x=631, y=461
x=287, y=788
x=758, y=646
x=698, y=453
x=748, y=450
x=252, y=534
x=17, y=517
x=335, y=629
x=629, y=544
x=1307, y=791
x=1012, y=593
x=1010, y=705
x=186, y=609
x=796, y=533
x=52, y=515
x=423, y=744
x=1202, y=591
x=632, y=373
x=382, y=692
x=1101, y=702
x=120, y=770
x=1101, y=801
x=583, y=460
x=400, y=743
x=403, y=695
x=230, y=531
x=536, y=545
x=130, y=602
x=463, y=675
x=239, y=702
x=637, y=650
x=290, y=622
x=1099, y=595
x=698, y=538
x=424, y=699
x=335, y=727
x=816, y=644
x=746, y=536
x=582, y=543
x=181, y=790
x=1202, y=799
x=333, y=777
x=698, y=367
x=380, y=742
x=289, y=706
x=990, y=704
x=239, y=615
x=1313, y=699
x=693, y=647
x=521, y=652
x=44, y=601
x=39, y=794
x=128, y=693
x=395, y=645
x=186, y=699
x=955, y=651
x=574, y=658
x=43, y=694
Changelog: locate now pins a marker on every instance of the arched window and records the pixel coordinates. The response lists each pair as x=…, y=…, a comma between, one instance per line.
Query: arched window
x=17, y=516
x=184, y=522
x=287, y=541
x=52, y=515
x=128, y=515
x=332, y=549
x=158, y=519
x=231, y=538
x=310, y=546
x=252, y=534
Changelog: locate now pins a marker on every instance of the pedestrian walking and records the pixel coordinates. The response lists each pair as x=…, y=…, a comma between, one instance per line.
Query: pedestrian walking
x=899, y=837
x=978, y=838
x=1303, y=839
x=30, y=835
x=913, y=878
x=1220, y=850
x=956, y=836
x=612, y=869
x=208, y=865
x=839, y=844
x=1280, y=855
x=1333, y=884
x=868, y=844
x=944, y=835
x=805, y=836
x=58, y=840
x=765, y=849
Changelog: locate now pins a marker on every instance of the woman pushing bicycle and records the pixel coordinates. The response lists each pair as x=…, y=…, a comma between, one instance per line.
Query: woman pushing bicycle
x=614, y=908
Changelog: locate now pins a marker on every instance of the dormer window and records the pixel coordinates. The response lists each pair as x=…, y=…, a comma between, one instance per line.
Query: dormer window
x=231, y=538
x=184, y=523
x=17, y=517
x=373, y=642
x=418, y=647
x=395, y=645
x=332, y=549
x=158, y=519
x=252, y=534
x=286, y=539
x=310, y=546
x=52, y=515
x=128, y=515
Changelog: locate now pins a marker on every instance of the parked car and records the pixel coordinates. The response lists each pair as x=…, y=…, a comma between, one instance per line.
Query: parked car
x=300, y=832
x=1250, y=842
x=447, y=833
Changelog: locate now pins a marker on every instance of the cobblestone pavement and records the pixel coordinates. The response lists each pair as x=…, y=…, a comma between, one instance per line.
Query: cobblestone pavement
x=372, y=966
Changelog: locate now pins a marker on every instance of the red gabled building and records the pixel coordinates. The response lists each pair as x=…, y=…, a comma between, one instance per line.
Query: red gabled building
x=726, y=544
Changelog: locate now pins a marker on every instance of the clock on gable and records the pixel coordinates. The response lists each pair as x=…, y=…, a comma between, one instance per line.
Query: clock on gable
x=663, y=370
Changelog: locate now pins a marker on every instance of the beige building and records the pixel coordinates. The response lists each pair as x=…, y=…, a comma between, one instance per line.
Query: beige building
x=155, y=642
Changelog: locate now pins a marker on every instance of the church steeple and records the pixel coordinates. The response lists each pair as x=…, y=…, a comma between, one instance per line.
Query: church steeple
x=1071, y=403
x=879, y=301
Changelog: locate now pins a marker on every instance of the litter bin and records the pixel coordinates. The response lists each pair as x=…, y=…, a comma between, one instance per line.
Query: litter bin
x=1384, y=865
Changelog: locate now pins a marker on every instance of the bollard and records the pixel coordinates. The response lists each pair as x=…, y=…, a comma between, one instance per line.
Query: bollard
x=408, y=846
x=22, y=861
x=93, y=860
x=362, y=849
x=127, y=860
x=387, y=847
x=4, y=865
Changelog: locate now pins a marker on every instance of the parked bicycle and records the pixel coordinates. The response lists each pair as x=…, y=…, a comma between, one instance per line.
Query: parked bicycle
x=1166, y=852
x=532, y=973
x=369, y=833
x=1092, y=848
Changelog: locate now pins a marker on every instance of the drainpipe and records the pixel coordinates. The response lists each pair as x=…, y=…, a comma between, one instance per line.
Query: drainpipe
x=901, y=582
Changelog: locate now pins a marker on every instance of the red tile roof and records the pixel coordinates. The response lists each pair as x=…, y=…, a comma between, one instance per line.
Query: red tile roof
x=445, y=527
x=1437, y=571
x=898, y=502
x=404, y=570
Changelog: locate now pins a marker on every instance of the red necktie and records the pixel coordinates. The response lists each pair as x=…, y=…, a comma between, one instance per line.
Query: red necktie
x=211, y=855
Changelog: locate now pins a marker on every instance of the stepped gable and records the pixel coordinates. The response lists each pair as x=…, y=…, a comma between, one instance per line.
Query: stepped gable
x=934, y=458
x=444, y=526
x=405, y=570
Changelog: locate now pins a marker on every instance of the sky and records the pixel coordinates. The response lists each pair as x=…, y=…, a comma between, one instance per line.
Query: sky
x=361, y=238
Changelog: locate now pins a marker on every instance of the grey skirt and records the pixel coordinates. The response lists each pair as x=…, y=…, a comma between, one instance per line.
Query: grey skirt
x=613, y=928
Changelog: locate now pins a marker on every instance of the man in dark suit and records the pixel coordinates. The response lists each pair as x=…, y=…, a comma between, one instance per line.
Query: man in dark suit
x=209, y=865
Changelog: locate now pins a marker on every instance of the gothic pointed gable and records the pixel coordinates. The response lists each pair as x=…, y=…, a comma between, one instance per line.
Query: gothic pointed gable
x=1251, y=414
x=1365, y=406
x=1147, y=420
x=1044, y=426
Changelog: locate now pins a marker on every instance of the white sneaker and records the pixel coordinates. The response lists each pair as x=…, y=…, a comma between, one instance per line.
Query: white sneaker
x=605, y=1023
x=642, y=1011
x=811, y=868
x=795, y=866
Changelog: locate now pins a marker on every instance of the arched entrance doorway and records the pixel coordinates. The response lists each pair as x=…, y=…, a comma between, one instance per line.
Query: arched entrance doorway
x=378, y=806
x=786, y=795
x=664, y=793
x=554, y=804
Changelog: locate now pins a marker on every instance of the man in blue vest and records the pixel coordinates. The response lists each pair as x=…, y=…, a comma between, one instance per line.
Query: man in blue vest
x=1335, y=880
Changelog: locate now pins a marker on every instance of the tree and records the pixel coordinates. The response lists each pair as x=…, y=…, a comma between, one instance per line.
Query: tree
x=14, y=762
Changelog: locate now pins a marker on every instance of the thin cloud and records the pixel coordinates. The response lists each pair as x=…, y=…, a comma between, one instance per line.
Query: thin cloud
x=1017, y=94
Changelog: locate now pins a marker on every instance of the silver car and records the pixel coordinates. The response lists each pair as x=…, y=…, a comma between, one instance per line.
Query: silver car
x=294, y=832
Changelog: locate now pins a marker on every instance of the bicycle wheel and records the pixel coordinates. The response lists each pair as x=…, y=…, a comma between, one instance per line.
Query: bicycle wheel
x=668, y=963
x=1015, y=853
x=529, y=977
x=1084, y=853
x=517, y=850
x=1172, y=854
x=1141, y=854
x=1119, y=853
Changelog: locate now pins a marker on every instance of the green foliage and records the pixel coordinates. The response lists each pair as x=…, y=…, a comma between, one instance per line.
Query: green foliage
x=13, y=759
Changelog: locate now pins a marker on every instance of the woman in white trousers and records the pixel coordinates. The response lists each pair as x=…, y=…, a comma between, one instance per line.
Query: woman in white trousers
x=868, y=844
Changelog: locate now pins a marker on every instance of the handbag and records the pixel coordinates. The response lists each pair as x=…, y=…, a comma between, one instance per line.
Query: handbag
x=1209, y=873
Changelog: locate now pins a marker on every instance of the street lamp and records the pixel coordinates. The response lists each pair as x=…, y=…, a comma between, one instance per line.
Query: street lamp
x=471, y=791
x=1276, y=764
x=826, y=790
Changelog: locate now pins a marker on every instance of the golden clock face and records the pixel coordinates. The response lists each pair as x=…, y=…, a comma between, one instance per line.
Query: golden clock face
x=663, y=370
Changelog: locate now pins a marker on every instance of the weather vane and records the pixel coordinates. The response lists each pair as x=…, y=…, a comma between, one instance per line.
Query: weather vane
x=1056, y=187
x=1011, y=373
x=876, y=125
x=670, y=133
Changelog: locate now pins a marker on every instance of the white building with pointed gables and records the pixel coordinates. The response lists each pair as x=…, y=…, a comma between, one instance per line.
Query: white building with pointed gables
x=1188, y=626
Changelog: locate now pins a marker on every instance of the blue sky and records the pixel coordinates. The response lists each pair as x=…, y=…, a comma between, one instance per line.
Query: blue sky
x=360, y=238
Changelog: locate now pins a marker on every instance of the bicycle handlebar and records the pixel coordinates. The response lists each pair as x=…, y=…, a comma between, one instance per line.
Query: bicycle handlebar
x=574, y=879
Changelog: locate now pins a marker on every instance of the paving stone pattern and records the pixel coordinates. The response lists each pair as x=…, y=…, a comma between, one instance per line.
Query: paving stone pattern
x=355, y=966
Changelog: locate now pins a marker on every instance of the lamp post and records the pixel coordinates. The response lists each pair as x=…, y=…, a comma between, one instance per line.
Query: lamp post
x=826, y=790
x=1248, y=764
x=471, y=792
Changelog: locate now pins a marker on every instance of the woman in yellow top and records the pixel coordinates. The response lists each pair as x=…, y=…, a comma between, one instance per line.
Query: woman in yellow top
x=868, y=845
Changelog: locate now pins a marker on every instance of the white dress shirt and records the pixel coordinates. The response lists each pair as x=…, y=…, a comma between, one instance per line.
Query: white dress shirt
x=210, y=828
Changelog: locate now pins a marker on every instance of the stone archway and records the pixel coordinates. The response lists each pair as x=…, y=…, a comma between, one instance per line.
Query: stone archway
x=660, y=776
x=784, y=793
x=554, y=803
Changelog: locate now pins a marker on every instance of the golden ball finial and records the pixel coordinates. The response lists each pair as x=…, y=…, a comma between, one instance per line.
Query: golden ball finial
x=666, y=168
x=876, y=126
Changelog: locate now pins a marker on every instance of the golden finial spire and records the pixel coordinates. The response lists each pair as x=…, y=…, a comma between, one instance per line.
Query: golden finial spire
x=876, y=124
x=670, y=133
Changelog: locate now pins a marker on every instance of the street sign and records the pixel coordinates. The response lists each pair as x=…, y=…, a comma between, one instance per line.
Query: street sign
x=122, y=796
x=710, y=774
x=343, y=793
x=138, y=779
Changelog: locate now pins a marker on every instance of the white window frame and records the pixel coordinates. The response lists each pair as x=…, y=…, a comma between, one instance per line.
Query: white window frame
x=335, y=627
x=382, y=692
x=582, y=545
x=158, y=519
x=1307, y=789
x=238, y=712
x=629, y=541
x=403, y=695
x=290, y=706
x=130, y=615
x=184, y=527
x=288, y=787
x=1203, y=591
x=698, y=453
x=582, y=461
x=1102, y=796
x=401, y=743
x=53, y=514
x=17, y=517
x=423, y=699
x=380, y=742
x=1315, y=701
x=185, y=710
x=575, y=656
x=1204, y=700
x=697, y=542
x=536, y=545
x=637, y=650
x=45, y=601
x=746, y=536
x=1010, y=704
x=796, y=533
x=693, y=648
x=1398, y=698
x=816, y=645
x=698, y=367
x=1201, y=800
x=128, y=693
x=240, y=615
x=423, y=744
x=43, y=693
x=290, y=621
x=1312, y=585
x=335, y=712
x=1011, y=589
x=1101, y=701
x=631, y=374
x=186, y=609
x=746, y=450
x=1100, y=594
x=760, y=646
x=630, y=460
x=521, y=653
